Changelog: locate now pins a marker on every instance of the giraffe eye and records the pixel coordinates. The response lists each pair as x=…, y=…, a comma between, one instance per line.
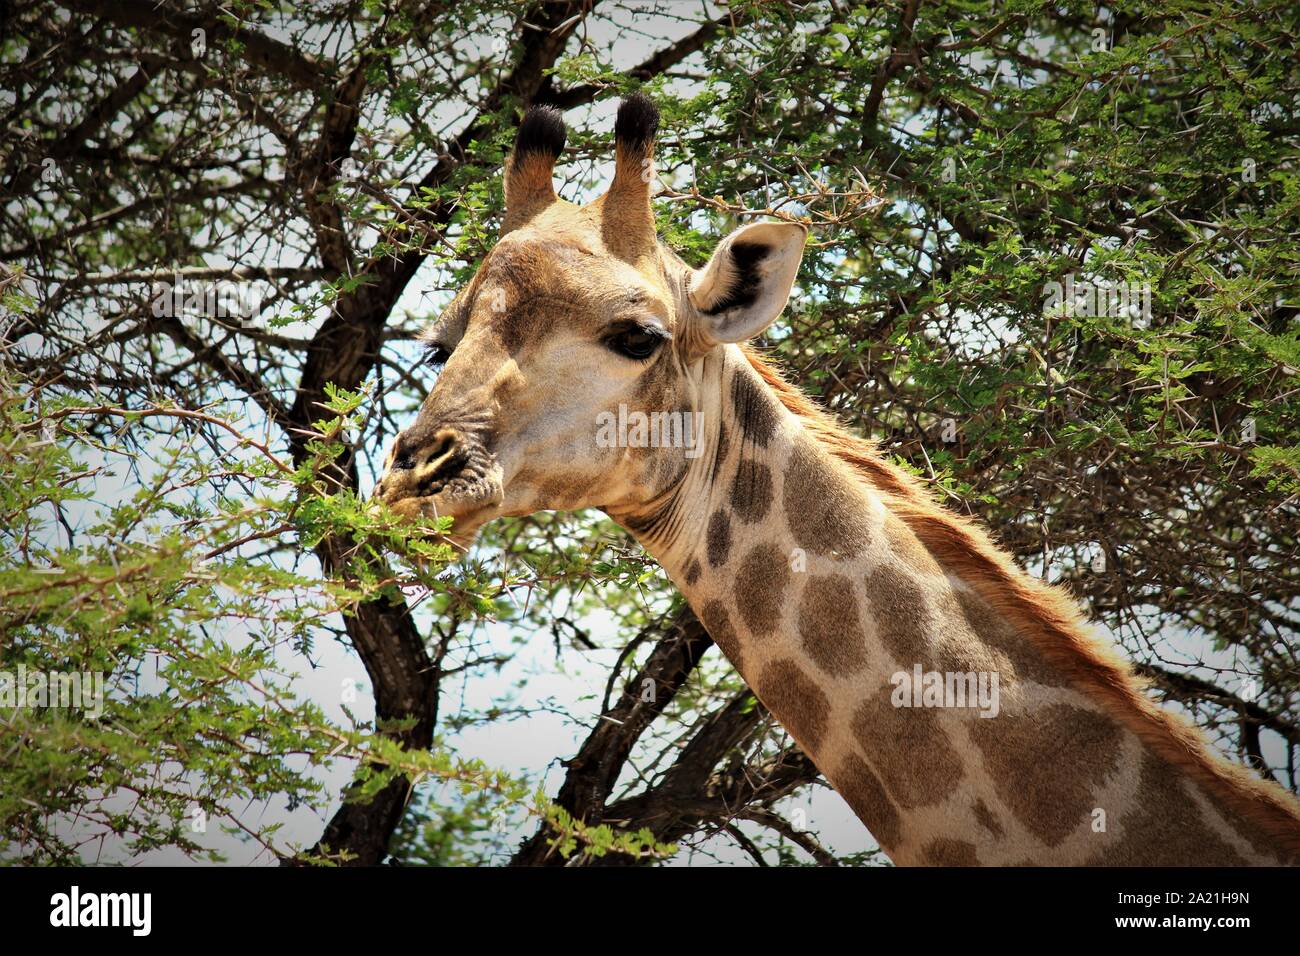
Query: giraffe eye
x=637, y=342
x=435, y=357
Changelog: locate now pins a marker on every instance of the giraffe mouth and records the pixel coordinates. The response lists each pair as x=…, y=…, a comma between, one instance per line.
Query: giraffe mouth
x=469, y=501
x=455, y=499
x=443, y=473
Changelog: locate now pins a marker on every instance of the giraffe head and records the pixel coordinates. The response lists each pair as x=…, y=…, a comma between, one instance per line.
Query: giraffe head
x=578, y=323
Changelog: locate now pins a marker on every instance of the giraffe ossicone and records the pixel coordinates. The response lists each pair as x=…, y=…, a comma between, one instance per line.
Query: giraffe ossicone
x=819, y=569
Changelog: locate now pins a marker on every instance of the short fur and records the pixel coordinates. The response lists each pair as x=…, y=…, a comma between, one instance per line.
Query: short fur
x=1050, y=618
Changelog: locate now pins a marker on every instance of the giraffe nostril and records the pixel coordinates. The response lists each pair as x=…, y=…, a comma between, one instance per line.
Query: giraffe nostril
x=402, y=460
x=421, y=464
x=448, y=457
x=445, y=441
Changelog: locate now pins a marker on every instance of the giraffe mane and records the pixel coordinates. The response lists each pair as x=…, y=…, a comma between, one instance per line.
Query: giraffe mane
x=1049, y=617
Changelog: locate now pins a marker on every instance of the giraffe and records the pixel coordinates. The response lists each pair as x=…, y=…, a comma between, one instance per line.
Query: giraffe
x=854, y=606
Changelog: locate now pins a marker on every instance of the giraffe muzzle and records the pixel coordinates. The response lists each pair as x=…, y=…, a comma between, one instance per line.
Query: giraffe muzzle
x=446, y=473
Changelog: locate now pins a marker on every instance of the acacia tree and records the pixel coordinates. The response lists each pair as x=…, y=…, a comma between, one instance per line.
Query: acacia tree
x=223, y=225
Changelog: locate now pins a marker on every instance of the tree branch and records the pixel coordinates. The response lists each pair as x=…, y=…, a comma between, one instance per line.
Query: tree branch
x=271, y=57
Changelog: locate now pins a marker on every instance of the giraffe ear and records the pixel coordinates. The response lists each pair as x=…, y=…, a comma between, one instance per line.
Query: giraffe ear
x=528, y=184
x=747, y=280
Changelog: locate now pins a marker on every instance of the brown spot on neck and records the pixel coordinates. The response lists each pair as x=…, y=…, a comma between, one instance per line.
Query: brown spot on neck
x=751, y=491
x=996, y=632
x=720, y=450
x=716, y=621
x=824, y=514
x=865, y=794
x=761, y=582
x=830, y=627
x=753, y=409
x=797, y=702
x=1163, y=827
x=693, y=571
x=984, y=816
x=899, y=608
x=910, y=750
x=1048, y=765
x=908, y=550
x=948, y=852
x=718, y=538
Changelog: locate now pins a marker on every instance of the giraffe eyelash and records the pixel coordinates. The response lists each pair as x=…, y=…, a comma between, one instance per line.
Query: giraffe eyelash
x=637, y=341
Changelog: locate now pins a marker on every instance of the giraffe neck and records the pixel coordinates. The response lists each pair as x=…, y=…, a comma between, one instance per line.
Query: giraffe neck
x=831, y=609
